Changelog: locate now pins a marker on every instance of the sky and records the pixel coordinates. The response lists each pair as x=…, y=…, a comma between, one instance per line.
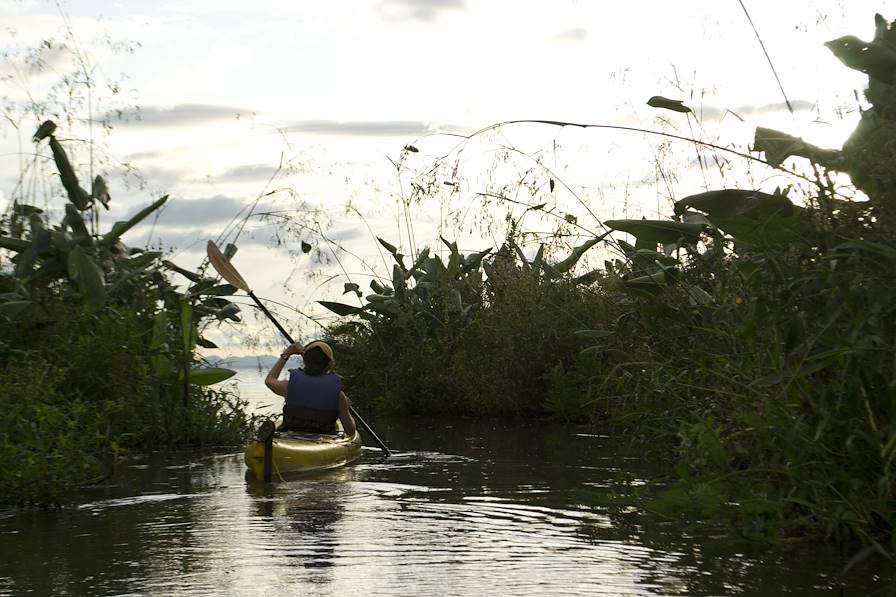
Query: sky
x=305, y=111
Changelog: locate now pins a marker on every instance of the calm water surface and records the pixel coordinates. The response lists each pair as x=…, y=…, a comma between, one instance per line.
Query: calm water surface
x=462, y=508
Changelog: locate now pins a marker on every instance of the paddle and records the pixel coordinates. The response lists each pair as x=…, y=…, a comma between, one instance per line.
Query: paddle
x=223, y=266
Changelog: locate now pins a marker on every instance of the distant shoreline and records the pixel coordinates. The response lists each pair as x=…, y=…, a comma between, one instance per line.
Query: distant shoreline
x=249, y=362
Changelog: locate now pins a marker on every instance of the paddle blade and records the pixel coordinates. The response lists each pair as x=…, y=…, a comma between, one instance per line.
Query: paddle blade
x=222, y=266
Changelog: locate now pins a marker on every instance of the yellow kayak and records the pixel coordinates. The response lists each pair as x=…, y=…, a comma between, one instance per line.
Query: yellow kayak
x=296, y=452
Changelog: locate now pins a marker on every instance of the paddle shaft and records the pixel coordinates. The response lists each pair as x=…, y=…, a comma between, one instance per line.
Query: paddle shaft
x=354, y=413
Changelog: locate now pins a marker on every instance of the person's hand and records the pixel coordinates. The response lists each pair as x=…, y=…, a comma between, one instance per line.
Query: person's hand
x=294, y=348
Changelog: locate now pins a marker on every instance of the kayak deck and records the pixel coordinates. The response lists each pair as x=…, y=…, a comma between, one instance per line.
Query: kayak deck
x=296, y=452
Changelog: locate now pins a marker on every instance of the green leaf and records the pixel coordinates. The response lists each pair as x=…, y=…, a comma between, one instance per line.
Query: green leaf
x=14, y=244
x=143, y=260
x=874, y=59
x=159, y=360
x=728, y=203
x=399, y=282
x=192, y=277
x=217, y=290
x=74, y=221
x=207, y=376
x=658, y=231
x=659, y=101
x=89, y=277
x=472, y=261
x=772, y=230
x=778, y=146
x=44, y=130
x=650, y=285
x=380, y=288
x=100, y=191
x=187, y=326
x=593, y=334
x=205, y=343
x=78, y=196
x=119, y=228
x=388, y=308
x=388, y=246
x=11, y=310
x=418, y=263
x=340, y=308
x=228, y=311
x=567, y=264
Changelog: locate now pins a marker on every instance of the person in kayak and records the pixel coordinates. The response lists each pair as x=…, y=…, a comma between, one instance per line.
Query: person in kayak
x=314, y=396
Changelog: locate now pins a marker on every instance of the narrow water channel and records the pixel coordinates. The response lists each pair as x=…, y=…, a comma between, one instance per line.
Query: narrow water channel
x=462, y=508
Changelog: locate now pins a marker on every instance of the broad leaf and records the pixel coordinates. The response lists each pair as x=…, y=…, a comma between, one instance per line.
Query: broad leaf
x=218, y=290
x=78, y=196
x=44, y=130
x=388, y=308
x=207, y=376
x=119, y=228
x=778, y=146
x=773, y=230
x=14, y=244
x=89, y=277
x=340, y=308
x=576, y=254
x=229, y=311
x=187, y=326
x=727, y=203
x=191, y=276
x=389, y=247
x=74, y=221
x=874, y=59
x=12, y=310
x=659, y=101
x=379, y=288
x=593, y=334
x=100, y=191
x=658, y=231
x=205, y=343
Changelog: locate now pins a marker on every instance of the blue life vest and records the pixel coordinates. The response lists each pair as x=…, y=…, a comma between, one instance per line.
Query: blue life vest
x=312, y=402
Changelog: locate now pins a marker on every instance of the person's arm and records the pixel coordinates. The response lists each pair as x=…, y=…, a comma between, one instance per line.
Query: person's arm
x=345, y=417
x=273, y=381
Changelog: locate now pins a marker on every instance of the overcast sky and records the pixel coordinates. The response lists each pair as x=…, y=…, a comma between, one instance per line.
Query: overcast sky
x=222, y=101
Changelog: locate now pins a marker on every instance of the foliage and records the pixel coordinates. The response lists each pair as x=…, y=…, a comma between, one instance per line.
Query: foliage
x=99, y=345
x=753, y=335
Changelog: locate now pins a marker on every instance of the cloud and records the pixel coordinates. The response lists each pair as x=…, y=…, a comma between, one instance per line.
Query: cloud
x=192, y=213
x=360, y=128
x=179, y=115
x=574, y=34
x=426, y=11
x=744, y=111
x=183, y=223
x=247, y=172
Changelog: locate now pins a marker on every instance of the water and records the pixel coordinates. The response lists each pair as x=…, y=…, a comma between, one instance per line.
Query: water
x=462, y=508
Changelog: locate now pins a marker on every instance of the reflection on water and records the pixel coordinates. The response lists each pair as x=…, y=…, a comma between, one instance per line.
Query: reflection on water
x=461, y=509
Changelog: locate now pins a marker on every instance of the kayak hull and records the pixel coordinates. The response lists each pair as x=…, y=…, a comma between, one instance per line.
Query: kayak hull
x=303, y=452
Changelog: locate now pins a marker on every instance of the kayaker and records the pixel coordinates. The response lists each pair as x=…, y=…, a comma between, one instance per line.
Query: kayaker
x=314, y=396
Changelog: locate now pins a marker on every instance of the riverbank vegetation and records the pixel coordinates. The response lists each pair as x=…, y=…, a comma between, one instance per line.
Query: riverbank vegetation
x=751, y=332
x=97, y=345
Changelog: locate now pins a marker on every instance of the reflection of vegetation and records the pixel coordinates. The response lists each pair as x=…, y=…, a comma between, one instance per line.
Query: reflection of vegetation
x=754, y=334
x=98, y=345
